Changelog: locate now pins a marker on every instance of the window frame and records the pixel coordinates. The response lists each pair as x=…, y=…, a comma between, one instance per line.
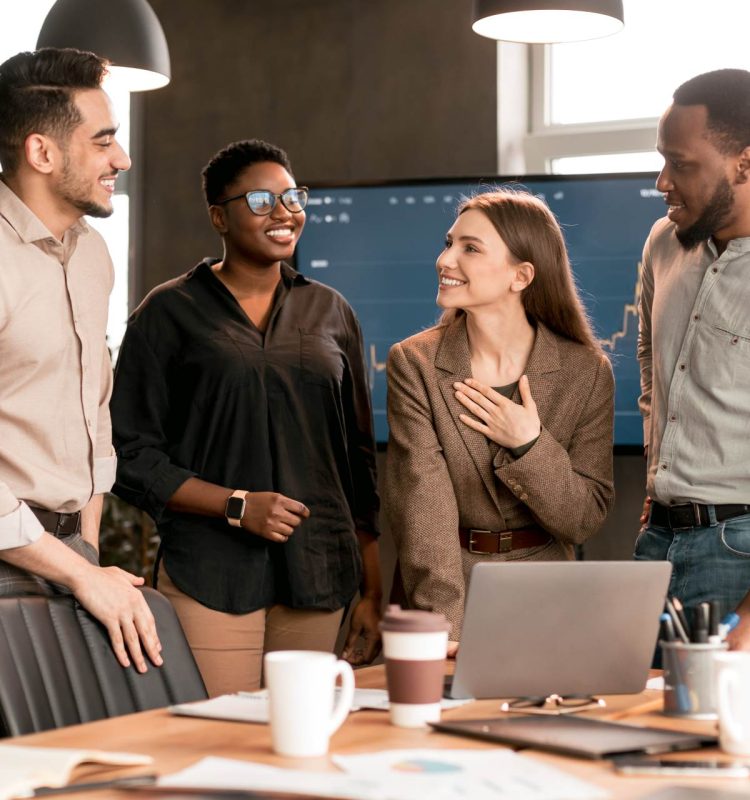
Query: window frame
x=545, y=141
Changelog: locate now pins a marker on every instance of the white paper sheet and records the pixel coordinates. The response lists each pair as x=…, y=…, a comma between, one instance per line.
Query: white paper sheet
x=475, y=774
x=398, y=775
x=213, y=773
x=253, y=706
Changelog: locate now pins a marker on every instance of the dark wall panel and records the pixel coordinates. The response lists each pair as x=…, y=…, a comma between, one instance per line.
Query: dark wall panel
x=352, y=89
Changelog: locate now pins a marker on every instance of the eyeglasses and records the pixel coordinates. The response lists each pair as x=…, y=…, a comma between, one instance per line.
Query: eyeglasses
x=262, y=201
x=553, y=704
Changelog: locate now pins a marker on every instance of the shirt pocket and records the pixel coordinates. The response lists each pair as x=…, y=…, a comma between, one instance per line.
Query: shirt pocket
x=722, y=361
x=321, y=358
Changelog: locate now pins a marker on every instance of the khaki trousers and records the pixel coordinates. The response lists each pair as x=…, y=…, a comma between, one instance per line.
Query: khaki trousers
x=229, y=648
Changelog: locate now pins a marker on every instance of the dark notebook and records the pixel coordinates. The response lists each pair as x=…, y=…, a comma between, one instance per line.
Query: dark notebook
x=576, y=736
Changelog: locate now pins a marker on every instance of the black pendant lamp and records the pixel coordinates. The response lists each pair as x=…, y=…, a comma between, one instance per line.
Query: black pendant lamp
x=547, y=21
x=126, y=32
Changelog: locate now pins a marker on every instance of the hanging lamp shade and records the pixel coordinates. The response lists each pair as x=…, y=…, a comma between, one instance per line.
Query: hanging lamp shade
x=547, y=21
x=126, y=32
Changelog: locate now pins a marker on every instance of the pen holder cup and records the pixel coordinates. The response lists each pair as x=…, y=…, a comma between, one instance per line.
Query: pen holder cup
x=689, y=679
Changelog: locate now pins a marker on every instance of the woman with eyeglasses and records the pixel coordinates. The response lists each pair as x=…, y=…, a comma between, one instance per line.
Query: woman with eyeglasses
x=500, y=416
x=243, y=426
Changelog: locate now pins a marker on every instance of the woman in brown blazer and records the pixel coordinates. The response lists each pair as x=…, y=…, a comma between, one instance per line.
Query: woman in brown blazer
x=500, y=416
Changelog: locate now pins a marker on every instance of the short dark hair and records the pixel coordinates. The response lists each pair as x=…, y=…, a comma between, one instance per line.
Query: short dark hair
x=37, y=96
x=726, y=95
x=227, y=164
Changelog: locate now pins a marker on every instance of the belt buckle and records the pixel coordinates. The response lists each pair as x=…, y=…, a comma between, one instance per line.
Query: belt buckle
x=683, y=517
x=472, y=531
x=62, y=521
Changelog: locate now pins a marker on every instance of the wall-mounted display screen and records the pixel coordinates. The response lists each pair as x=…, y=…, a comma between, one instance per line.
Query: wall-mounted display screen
x=377, y=245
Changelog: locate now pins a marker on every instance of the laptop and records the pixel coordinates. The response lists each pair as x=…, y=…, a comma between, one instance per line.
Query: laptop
x=532, y=629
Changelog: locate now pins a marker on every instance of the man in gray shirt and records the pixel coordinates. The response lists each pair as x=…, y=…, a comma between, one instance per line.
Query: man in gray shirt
x=694, y=349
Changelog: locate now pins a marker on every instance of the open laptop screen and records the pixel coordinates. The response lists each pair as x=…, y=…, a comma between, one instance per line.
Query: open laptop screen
x=566, y=627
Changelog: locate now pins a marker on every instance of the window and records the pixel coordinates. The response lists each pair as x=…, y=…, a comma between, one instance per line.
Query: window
x=595, y=105
x=19, y=32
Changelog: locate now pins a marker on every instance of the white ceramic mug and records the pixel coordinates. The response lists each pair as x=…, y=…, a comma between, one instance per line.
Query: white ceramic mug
x=733, y=701
x=301, y=688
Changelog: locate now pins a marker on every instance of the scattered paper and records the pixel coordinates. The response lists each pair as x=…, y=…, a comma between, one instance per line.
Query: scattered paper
x=397, y=775
x=214, y=773
x=253, y=706
x=476, y=774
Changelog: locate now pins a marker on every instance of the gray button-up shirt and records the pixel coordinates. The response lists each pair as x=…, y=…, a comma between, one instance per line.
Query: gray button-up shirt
x=694, y=353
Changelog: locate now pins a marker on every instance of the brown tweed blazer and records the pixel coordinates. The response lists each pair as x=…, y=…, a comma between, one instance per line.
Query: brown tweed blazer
x=441, y=474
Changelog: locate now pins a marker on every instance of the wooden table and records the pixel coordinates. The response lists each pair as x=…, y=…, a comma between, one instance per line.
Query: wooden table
x=176, y=742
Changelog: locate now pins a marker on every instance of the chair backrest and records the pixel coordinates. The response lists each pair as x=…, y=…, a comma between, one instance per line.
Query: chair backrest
x=57, y=666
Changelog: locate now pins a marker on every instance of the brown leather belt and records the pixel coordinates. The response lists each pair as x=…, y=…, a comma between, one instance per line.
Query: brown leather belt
x=58, y=524
x=490, y=542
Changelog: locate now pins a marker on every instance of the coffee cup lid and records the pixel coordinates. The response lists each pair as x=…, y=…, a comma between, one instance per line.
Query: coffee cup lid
x=399, y=620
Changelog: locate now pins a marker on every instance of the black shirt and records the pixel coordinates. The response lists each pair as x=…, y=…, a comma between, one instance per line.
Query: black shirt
x=201, y=391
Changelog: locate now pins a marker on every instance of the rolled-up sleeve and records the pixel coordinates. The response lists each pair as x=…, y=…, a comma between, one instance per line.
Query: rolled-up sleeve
x=19, y=527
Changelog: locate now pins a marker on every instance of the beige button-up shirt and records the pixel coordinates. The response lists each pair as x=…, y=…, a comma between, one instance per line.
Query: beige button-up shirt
x=55, y=370
x=694, y=352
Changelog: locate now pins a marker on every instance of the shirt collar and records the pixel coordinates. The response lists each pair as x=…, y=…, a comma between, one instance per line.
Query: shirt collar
x=24, y=221
x=740, y=245
x=291, y=277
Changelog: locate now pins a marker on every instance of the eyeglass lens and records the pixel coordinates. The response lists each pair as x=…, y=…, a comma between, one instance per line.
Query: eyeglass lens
x=262, y=201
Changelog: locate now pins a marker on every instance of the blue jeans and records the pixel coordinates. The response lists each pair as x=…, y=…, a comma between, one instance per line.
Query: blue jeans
x=708, y=563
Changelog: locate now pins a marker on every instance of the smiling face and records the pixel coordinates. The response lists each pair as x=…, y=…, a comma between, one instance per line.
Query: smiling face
x=91, y=158
x=476, y=270
x=697, y=180
x=260, y=240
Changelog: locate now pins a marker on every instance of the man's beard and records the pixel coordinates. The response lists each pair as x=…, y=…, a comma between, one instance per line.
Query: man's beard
x=711, y=220
x=75, y=191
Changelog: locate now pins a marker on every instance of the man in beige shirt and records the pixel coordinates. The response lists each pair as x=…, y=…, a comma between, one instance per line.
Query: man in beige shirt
x=60, y=160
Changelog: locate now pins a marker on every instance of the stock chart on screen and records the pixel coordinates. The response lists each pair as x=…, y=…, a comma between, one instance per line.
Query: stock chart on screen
x=377, y=245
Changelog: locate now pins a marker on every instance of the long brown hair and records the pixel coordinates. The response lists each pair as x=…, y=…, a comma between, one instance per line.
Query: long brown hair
x=531, y=233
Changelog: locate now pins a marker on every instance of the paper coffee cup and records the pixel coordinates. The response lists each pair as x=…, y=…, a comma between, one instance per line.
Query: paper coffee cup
x=414, y=647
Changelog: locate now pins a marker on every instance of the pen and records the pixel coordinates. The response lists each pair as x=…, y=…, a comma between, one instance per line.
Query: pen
x=729, y=623
x=130, y=782
x=680, y=611
x=666, y=628
x=713, y=618
x=680, y=630
x=699, y=633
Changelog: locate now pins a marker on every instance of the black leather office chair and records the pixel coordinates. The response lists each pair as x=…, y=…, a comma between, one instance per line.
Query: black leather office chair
x=57, y=666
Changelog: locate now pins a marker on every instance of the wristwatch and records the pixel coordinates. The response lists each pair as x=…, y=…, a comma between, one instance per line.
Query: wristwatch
x=235, y=507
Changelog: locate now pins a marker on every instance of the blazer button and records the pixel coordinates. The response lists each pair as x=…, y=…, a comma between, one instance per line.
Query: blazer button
x=524, y=496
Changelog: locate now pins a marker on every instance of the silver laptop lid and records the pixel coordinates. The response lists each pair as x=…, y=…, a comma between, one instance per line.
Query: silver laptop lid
x=567, y=627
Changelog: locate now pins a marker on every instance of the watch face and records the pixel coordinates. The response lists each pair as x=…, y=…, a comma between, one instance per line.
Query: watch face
x=235, y=507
